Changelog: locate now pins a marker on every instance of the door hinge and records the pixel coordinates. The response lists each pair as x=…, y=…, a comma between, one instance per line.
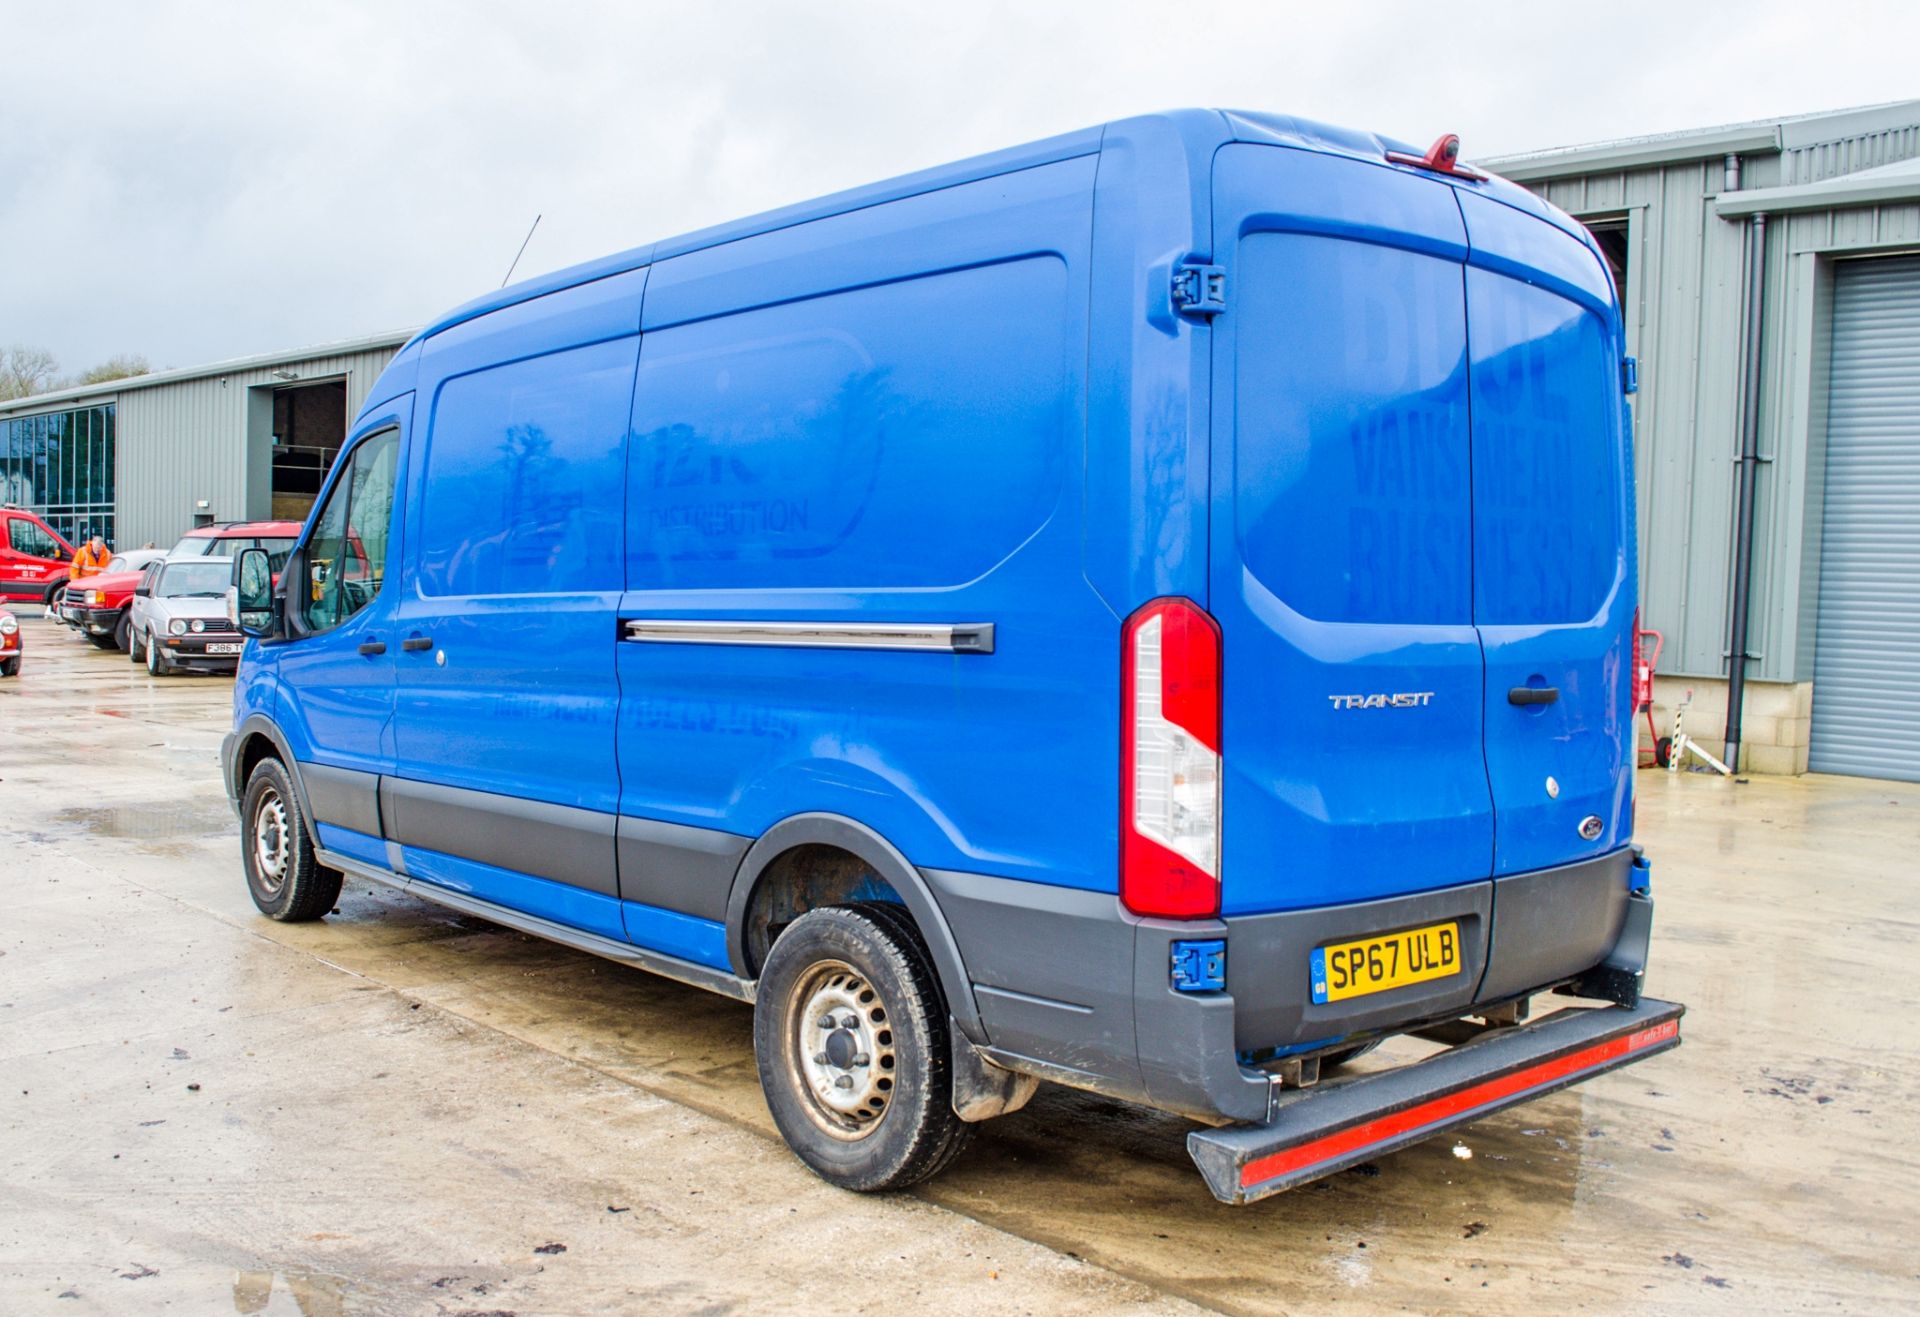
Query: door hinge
x=1629, y=375
x=1199, y=290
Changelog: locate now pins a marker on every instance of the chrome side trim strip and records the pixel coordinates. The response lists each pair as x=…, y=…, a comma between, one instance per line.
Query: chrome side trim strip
x=940, y=637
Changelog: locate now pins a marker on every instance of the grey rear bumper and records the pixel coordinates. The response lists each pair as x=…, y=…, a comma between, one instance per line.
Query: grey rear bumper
x=1074, y=989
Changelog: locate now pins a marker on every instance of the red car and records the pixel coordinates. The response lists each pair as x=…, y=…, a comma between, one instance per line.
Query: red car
x=97, y=606
x=33, y=557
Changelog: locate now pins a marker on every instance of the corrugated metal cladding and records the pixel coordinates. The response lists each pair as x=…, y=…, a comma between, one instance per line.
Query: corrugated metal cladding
x=1822, y=160
x=186, y=441
x=1684, y=306
x=1866, y=674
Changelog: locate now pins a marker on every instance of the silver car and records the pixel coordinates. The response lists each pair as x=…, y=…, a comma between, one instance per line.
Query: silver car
x=180, y=618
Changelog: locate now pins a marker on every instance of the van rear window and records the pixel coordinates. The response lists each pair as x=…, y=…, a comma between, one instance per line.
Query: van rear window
x=913, y=433
x=1351, y=472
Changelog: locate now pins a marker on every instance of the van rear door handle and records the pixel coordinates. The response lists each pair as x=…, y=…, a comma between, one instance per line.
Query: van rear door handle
x=1533, y=695
x=373, y=647
x=417, y=642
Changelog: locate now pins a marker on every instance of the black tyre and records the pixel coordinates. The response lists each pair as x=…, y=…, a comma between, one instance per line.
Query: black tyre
x=136, y=647
x=158, y=664
x=1663, y=751
x=10, y=667
x=1333, y=1060
x=283, y=877
x=123, y=631
x=850, y=1032
x=108, y=641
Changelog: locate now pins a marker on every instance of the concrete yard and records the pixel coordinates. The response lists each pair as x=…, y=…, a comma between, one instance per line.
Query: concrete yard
x=403, y=1110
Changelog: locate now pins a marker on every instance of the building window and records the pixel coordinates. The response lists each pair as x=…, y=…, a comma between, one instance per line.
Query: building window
x=61, y=465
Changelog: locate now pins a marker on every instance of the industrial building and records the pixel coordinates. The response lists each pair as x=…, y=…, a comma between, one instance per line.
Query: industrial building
x=1770, y=277
x=150, y=457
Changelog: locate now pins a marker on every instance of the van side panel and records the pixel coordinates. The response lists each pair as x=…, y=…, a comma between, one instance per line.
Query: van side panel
x=875, y=417
x=1147, y=390
x=504, y=624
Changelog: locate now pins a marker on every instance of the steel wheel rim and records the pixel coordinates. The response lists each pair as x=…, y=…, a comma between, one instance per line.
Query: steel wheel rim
x=840, y=1041
x=270, y=841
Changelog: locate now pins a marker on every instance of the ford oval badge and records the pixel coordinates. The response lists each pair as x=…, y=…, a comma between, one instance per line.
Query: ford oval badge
x=1591, y=826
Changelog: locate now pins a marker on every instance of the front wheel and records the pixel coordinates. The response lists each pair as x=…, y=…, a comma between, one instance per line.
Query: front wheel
x=158, y=664
x=123, y=633
x=284, y=878
x=851, y=1038
x=10, y=667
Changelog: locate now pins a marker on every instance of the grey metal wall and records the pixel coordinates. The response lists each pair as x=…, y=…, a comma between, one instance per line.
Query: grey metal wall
x=1684, y=298
x=180, y=443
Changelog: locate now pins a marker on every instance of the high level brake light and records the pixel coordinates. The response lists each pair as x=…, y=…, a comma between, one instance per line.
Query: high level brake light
x=1170, y=762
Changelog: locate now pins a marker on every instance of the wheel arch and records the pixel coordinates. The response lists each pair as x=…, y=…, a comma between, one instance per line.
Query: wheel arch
x=257, y=738
x=836, y=832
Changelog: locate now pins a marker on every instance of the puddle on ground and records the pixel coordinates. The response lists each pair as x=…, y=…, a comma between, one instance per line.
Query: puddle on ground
x=150, y=822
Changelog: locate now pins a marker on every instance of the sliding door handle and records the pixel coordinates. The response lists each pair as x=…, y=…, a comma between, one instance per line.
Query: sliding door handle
x=417, y=643
x=373, y=647
x=1533, y=695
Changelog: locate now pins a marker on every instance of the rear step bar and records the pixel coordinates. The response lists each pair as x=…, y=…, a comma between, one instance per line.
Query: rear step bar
x=1315, y=1132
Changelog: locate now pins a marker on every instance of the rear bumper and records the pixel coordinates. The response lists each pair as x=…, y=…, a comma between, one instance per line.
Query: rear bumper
x=1072, y=988
x=1317, y=1131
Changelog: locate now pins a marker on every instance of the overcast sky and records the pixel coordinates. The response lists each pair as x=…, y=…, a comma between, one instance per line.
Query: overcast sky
x=200, y=181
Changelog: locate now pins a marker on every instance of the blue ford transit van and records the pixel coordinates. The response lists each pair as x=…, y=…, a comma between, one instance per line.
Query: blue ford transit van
x=1148, y=610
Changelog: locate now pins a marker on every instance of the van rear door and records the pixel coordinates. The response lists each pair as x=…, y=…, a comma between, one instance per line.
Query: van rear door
x=1553, y=581
x=1341, y=571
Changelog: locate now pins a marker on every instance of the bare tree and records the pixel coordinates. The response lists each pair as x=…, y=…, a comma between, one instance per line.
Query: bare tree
x=25, y=370
x=120, y=366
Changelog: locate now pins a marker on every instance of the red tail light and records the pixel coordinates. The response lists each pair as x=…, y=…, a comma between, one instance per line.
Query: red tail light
x=1170, y=762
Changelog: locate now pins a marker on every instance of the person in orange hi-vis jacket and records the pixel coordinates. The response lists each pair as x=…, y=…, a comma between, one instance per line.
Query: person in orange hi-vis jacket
x=91, y=560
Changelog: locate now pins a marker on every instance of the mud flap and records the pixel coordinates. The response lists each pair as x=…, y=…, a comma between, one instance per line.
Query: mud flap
x=1317, y=1131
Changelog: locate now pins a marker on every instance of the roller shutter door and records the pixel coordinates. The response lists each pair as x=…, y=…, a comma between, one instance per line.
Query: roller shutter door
x=1866, y=668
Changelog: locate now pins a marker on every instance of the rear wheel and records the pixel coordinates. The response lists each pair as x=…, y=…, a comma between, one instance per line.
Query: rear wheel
x=136, y=647
x=283, y=877
x=851, y=1037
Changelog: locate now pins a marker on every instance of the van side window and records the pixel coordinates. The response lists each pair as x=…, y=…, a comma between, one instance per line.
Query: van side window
x=347, y=553
x=524, y=476
x=813, y=440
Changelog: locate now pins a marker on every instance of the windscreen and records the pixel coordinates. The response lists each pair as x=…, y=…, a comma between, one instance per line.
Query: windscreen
x=204, y=578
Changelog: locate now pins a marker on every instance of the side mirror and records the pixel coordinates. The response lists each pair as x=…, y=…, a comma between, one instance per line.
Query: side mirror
x=250, y=597
x=143, y=590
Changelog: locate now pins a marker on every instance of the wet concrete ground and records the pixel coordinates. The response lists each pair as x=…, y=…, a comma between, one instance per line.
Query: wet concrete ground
x=403, y=1110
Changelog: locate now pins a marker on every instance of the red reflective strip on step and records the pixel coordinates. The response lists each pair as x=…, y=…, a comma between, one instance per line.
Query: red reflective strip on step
x=1454, y=1104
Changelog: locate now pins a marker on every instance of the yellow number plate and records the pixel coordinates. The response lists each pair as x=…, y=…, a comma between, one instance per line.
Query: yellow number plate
x=1392, y=960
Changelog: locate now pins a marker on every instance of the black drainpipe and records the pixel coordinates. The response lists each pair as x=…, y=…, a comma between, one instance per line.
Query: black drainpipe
x=1749, y=476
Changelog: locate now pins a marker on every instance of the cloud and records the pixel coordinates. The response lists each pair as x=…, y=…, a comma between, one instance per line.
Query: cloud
x=194, y=181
